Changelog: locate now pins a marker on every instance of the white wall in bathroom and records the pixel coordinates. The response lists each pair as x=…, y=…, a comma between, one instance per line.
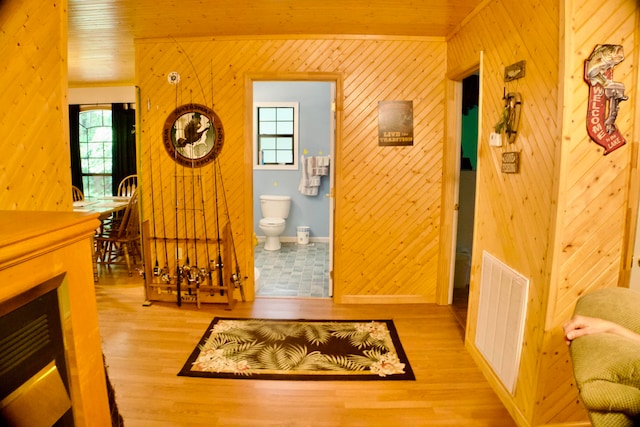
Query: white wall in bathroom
x=314, y=100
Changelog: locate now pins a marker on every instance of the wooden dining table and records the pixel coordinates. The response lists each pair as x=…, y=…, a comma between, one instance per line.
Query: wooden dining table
x=105, y=207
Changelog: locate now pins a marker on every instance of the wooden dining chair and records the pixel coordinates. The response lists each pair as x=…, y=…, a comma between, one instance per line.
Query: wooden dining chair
x=77, y=194
x=128, y=186
x=124, y=240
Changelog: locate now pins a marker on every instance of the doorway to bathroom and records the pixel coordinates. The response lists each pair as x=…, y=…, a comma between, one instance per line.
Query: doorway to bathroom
x=466, y=197
x=293, y=151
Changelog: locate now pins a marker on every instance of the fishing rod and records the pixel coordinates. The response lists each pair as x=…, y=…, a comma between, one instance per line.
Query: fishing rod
x=205, y=272
x=193, y=199
x=156, y=268
x=190, y=272
x=236, y=278
x=204, y=216
x=165, y=270
x=195, y=273
x=178, y=269
x=219, y=264
x=186, y=267
x=184, y=209
x=193, y=67
x=175, y=181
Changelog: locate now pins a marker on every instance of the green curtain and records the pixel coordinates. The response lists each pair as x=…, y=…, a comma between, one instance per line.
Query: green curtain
x=124, y=143
x=74, y=146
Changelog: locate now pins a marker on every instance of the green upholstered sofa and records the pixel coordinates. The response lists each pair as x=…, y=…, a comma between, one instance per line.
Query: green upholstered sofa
x=606, y=366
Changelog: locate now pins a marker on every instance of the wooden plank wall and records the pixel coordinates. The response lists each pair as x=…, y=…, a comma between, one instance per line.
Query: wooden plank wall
x=596, y=193
x=561, y=220
x=514, y=211
x=35, y=167
x=387, y=198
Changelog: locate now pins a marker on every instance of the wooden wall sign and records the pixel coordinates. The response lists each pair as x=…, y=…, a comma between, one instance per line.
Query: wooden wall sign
x=395, y=123
x=515, y=71
x=510, y=162
x=193, y=135
x=605, y=96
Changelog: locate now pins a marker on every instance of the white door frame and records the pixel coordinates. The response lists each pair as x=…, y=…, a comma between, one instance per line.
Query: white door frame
x=457, y=122
x=454, y=114
x=332, y=182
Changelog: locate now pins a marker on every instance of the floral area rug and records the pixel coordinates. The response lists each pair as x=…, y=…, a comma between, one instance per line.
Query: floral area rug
x=299, y=350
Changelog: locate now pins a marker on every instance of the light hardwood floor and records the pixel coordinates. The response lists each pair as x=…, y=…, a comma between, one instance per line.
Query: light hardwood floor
x=145, y=347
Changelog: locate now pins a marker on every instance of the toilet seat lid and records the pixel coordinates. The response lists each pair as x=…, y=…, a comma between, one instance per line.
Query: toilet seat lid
x=272, y=221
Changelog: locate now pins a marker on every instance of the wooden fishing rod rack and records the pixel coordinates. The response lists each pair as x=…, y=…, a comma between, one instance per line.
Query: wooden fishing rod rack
x=208, y=291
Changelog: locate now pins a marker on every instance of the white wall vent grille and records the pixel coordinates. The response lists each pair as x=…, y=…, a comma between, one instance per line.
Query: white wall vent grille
x=501, y=316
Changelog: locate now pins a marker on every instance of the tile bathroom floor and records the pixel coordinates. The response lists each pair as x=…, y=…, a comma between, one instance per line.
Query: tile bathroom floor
x=294, y=271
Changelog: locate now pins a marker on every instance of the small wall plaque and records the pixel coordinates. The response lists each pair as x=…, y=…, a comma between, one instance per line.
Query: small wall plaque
x=510, y=162
x=395, y=123
x=515, y=71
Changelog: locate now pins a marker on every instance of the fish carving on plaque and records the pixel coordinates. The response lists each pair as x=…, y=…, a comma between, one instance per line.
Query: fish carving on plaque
x=605, y=96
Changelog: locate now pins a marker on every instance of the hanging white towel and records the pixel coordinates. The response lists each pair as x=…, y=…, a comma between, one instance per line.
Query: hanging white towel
x=322, y=166
x=309, y=183
x=313, y=168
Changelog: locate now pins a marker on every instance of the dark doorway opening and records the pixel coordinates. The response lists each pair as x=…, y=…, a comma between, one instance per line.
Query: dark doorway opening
x=466, y=197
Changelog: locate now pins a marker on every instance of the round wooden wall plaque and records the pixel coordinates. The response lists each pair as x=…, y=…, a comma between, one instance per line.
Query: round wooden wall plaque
x=193, y=135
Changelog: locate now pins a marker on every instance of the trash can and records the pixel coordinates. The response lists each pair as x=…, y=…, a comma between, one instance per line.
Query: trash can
x=303, y=234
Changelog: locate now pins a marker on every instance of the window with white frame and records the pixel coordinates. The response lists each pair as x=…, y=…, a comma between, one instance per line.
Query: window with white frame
x=276, y=135
x=96, y=150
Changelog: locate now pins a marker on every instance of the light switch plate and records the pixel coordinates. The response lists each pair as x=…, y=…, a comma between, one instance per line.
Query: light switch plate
x=495, y=139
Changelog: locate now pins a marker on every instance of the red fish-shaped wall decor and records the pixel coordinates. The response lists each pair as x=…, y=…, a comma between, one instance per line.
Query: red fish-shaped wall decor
x=605, y=96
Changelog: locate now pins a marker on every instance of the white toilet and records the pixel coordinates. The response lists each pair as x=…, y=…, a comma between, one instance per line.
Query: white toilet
x=275, y=209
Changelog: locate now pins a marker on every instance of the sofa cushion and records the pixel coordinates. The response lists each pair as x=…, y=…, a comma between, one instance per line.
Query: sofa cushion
x=607, y=372
x=607, y=366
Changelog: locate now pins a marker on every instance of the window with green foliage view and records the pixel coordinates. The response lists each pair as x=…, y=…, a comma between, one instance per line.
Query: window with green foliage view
x=96, y=148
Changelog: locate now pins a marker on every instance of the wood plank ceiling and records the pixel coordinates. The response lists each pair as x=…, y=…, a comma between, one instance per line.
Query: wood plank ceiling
x=101, y=32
